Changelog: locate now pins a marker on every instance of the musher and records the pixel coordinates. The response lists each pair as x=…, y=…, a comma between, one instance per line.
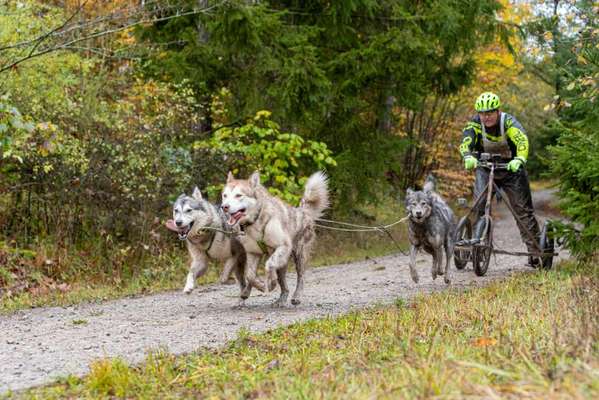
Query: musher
x=495, y=132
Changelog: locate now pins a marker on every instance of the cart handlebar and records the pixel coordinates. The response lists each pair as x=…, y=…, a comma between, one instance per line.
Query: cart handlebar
x=488, y=160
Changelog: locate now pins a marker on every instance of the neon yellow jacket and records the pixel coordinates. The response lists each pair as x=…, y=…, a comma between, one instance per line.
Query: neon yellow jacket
x=472, y=139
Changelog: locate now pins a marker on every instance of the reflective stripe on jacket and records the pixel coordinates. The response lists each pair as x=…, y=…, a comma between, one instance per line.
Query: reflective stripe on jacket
x=472, y=136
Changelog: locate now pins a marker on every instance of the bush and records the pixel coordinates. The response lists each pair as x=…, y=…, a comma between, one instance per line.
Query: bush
x=285, y=159
x=575, y=157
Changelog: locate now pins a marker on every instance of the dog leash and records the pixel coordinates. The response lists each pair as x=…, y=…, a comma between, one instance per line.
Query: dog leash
x=354, y=228
x=211, y=228
x=361, y=228
x=364, y=228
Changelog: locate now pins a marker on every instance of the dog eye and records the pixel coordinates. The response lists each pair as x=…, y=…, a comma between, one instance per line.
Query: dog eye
x=237, y=195
x=224, y=196
x=188, y=210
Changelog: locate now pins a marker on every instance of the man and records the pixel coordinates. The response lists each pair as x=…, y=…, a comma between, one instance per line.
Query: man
x=496, y=132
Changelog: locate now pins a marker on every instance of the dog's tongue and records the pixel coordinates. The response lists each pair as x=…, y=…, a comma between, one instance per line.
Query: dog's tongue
x=170, y=224
x=233, y=218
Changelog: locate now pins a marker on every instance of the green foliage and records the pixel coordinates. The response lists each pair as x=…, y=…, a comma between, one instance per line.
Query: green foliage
x=284, y=159
x=327, y=70
x=552, y=34
x=35, y=148
x=15, y=131
x=575, y=157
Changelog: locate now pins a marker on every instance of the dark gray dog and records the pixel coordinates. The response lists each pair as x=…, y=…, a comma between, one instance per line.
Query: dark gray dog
x=432, y=227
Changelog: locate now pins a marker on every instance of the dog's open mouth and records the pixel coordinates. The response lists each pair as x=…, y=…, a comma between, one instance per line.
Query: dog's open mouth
x=182, y=231
x=234, y=218
x=417, y=219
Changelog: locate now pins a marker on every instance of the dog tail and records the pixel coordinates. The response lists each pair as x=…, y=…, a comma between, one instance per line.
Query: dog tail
x=316, y=194
x=430, y=184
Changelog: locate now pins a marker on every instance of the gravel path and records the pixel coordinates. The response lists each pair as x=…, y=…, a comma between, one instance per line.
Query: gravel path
x=39, y=345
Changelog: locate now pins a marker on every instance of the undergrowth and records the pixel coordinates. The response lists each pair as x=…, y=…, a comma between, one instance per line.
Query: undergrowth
x=52, y=274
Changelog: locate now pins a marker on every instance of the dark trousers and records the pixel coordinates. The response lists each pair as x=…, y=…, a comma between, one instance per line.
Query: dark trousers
x=516, y=187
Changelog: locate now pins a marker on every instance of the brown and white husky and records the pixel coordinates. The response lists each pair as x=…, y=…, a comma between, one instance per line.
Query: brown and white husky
x=270, y=226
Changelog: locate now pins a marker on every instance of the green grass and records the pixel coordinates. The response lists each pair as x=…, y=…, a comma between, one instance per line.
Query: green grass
x=90, y=277
x=530, y=336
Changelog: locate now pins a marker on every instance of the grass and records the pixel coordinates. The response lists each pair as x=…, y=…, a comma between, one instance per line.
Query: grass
x=530, y=336
x=100, y=287
x=88, y=278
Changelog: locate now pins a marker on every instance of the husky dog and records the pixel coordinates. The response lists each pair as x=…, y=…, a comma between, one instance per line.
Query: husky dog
x=202, y=226
x=432, y=226
x=271, y=226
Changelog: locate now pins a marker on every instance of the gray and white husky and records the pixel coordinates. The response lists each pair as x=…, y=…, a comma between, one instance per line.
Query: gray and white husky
x=271, y=226
x=203, y=227
x=432, y=226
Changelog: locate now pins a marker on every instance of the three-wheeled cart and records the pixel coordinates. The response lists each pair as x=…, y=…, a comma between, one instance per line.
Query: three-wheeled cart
x=479, y=250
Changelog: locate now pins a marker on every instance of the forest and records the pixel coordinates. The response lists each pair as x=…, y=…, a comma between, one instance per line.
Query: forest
x=111, y=109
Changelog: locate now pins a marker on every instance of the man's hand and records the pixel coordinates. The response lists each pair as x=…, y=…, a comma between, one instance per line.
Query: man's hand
x=470, y=162
x=514, y=165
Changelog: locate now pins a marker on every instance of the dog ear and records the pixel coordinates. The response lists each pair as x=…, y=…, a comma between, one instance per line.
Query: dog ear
x=196, y=193
x=409, y=192
x=230, y=177
x=428, y=188
x=255, y=179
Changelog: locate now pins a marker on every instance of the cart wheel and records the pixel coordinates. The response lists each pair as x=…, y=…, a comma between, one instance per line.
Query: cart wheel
x=547, y=244
x=481, y=253
x=463, y=233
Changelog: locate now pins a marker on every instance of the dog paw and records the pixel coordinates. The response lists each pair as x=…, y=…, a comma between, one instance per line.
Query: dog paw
x=415, y=278
x=188, y=289
x=227, y=281
x=295, y=302
x=447, y=280
x=279, y=304
x=240, y=305
x=270, y=281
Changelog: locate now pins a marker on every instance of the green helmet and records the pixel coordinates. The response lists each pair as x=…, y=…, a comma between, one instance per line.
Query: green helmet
x=487, y=102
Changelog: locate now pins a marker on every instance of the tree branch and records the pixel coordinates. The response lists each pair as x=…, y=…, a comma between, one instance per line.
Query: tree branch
x=69, y=45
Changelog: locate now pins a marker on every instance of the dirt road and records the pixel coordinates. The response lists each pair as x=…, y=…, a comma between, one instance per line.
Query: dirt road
x=39, y=345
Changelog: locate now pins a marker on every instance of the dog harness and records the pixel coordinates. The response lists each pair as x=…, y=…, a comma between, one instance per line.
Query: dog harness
x=207, y=249
x=260, y=242
x=497, y=147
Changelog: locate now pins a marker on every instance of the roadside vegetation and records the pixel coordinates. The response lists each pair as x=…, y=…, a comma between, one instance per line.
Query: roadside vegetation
x=531, y=335
x=167, y=269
